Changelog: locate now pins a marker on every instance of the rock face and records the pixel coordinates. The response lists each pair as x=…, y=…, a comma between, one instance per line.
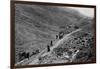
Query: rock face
x=36, y=26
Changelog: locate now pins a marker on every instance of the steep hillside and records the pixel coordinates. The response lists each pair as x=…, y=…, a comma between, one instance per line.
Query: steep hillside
x=36, y=26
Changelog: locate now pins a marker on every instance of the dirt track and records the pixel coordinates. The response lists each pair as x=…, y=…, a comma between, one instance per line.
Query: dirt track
x=43, y=53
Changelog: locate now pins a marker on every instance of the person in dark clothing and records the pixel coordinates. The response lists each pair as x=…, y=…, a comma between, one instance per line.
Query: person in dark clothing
x=22, y=56
x=51, y=43
x=27, y=55
x=61, y=34
x=56, y=36
x=48, y=48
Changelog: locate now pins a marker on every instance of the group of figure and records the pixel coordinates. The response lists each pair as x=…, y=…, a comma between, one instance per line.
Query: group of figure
x=23, y=55
x=59, y=36
x=27, y=55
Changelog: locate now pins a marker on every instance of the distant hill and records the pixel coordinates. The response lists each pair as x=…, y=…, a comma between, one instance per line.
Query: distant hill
x=42, y=22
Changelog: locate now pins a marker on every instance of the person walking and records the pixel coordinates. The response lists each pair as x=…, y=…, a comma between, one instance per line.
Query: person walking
x=48, y=48
x=51, y=43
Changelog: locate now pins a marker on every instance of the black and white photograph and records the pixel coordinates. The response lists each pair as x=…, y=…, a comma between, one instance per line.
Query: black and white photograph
x=49, y=34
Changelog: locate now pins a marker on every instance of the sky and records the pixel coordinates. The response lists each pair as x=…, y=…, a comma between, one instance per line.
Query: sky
x=85, y=11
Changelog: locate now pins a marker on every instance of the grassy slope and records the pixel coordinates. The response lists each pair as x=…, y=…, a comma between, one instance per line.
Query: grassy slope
x=37, y=25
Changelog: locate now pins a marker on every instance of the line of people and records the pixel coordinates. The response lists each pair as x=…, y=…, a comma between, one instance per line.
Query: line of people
x=59, y=36
x=27, y=55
